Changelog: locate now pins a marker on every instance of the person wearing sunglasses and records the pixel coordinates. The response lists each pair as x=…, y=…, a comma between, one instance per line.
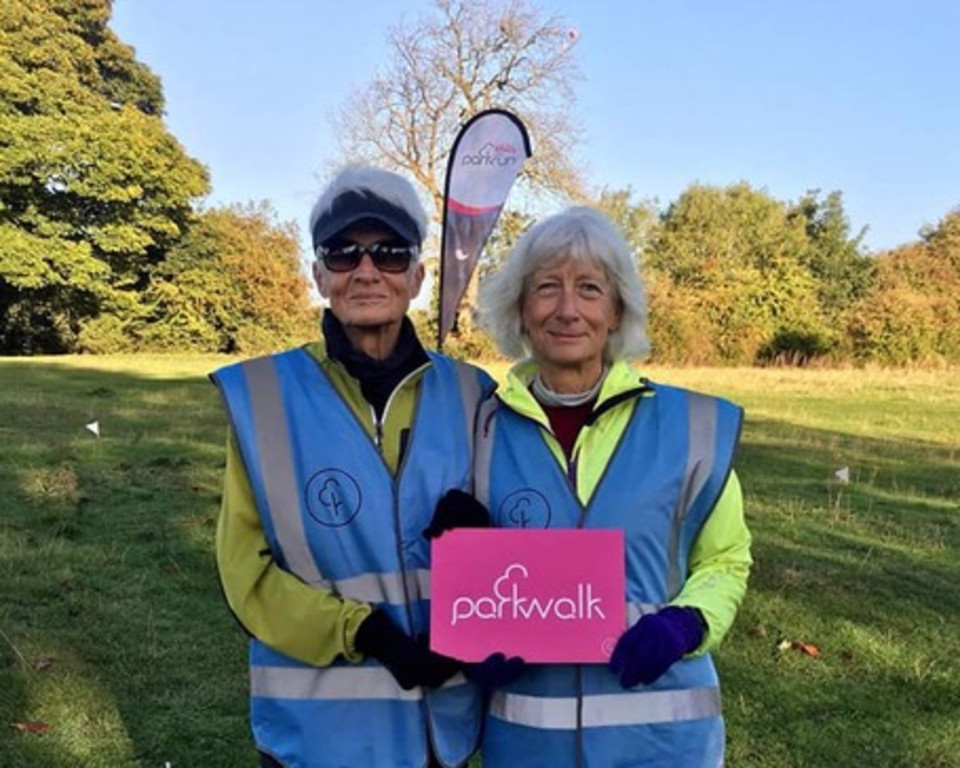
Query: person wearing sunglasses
x=338, y=453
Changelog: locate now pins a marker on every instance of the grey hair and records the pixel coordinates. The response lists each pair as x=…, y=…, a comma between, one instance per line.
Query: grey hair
x=579, y=233
x=369, y=181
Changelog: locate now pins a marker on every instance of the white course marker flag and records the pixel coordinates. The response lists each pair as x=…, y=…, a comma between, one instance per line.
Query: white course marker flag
x=843, y=474
x=94, y=427
x=487, y=155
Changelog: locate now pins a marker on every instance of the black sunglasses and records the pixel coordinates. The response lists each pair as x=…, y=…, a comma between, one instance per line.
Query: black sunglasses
x=387, y=257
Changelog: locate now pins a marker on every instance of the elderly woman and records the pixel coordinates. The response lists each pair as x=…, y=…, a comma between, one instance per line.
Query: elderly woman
x=597, y=446
x=338, y=452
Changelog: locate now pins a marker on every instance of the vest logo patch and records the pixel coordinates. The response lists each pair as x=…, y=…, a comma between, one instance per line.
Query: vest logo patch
x=525, y=508
x=333, y=497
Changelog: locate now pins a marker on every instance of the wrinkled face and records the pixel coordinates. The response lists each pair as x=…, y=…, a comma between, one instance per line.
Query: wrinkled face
x=365, y=297
x=568, y=310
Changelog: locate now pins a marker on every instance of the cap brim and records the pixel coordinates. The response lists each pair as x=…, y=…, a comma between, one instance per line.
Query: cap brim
x=334, y=228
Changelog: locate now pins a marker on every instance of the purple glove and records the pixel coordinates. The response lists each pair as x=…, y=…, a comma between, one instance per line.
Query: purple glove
x=648, y=648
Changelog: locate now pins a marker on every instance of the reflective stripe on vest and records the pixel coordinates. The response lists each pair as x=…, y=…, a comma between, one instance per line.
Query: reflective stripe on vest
x=470, y=392
x=636, y=610
x=599, y=710
x=351, y=682
x=702, y=428
x=280, y=482
x=483, y=447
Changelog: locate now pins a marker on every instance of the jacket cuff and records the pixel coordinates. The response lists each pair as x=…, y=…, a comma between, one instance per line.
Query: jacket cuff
x=351, y=624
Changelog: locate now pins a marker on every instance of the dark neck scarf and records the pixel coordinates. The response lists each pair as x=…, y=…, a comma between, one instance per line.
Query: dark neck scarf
x=378, y=378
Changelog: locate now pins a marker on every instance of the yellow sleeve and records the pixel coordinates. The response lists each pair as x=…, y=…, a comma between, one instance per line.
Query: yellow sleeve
x=719, y=566
x=306, y=623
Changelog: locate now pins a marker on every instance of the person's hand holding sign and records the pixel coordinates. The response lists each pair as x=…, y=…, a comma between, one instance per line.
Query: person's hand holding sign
x=656, y=642
x=457, y=509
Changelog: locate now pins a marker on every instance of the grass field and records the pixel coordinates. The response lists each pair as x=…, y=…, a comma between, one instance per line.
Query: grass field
x=116, y=650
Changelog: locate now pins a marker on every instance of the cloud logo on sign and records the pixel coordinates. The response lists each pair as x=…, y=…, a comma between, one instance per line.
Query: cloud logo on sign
x=333, y=497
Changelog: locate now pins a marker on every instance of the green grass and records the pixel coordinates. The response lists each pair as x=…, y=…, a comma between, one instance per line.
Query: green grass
x=867, y=572
x=113, y=632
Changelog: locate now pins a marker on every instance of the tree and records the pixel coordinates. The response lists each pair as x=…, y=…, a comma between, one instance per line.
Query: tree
x=738, y=256
x=912, y=313
x=638, y=221
x=944, y=240
x=844, y=274
x=232, y=284
x=468, y=56
x=93, y=188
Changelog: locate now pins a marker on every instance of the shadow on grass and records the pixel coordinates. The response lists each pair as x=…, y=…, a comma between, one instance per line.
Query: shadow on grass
x=107, y=570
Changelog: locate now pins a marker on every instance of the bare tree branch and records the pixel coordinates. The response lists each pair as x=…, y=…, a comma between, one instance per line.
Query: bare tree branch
x=463, y=57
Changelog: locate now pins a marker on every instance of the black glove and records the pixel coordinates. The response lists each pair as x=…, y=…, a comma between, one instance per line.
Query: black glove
x=409, y=660
x=496, y=670
x=457, y=509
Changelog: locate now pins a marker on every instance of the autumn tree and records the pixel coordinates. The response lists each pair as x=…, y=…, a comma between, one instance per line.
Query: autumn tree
x=729, y=260
x=912, y=313
x=232, y=284
x=93, y=188
x=467, y=56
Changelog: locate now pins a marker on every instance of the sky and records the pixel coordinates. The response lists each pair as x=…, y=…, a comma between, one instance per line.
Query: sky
x=861, y=96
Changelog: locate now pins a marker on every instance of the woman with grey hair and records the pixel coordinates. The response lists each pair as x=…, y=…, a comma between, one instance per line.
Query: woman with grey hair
x=593, y=445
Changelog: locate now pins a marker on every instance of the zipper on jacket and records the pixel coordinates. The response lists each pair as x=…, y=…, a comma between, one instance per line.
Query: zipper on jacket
x=378, y=422
x=425, y=705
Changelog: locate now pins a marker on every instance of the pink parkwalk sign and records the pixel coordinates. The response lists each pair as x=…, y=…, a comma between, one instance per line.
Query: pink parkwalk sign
x=548, y=596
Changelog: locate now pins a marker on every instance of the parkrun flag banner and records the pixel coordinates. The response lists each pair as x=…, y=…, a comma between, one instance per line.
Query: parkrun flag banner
x=486, y=157
x=548, y=596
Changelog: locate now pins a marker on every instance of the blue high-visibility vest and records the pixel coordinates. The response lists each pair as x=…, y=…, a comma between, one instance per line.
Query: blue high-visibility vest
x=335, y=517
x=660, y=485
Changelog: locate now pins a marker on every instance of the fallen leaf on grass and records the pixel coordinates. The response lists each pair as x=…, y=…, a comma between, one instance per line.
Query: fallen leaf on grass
x=808, y=648
x=30, y=727
x=798, y=645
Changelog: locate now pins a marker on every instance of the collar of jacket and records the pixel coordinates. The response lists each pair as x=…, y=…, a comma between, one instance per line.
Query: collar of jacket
x=621, y=383
x=378, y=378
